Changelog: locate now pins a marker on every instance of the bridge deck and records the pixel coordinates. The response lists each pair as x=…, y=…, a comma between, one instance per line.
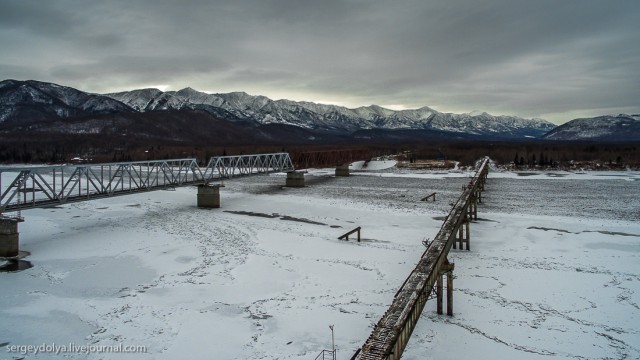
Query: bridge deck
x=391, y=334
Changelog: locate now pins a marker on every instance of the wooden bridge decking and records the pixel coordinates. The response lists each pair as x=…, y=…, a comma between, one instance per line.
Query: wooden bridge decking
x=392, y=332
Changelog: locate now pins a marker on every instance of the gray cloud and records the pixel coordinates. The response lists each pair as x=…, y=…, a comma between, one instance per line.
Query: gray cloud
x=528, y=58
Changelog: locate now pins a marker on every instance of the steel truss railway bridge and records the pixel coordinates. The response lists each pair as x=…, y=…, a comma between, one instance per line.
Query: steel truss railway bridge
x=31, y=187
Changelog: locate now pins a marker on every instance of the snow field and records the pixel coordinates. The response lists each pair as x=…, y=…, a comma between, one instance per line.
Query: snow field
x=263, y=276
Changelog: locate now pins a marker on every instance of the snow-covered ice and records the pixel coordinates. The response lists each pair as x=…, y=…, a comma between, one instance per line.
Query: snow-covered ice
x=553, y=268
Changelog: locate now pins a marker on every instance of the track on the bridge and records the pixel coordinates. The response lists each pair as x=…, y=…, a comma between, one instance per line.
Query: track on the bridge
x=392, y=332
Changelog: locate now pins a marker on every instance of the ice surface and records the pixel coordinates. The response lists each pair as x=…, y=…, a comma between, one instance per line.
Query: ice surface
x=553, y=268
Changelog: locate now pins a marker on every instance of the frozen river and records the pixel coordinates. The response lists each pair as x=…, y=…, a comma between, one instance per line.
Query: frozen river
x=553, y=269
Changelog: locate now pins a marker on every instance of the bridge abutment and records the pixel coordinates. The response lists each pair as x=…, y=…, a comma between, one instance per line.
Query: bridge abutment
x=9, y=238
x=342, y=170
x=295, y=179
x=208, y=196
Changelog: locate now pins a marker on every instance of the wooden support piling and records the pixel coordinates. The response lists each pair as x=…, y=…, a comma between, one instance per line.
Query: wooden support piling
x=447, y=269
x=450, y=293
x=426, y=198
x=346, y=236
x=468, y=237
x=439, y=294
x=475, y=210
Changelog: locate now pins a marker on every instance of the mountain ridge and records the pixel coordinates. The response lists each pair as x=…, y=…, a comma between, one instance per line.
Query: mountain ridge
x=334, y=118
x=28, y=102
x=620, y=127
x=33, y=101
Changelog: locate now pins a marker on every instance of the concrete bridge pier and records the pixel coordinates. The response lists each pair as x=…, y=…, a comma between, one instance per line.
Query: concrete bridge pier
x=295, y=179
x=209, y=196
x=9, y=237
x=342, y=170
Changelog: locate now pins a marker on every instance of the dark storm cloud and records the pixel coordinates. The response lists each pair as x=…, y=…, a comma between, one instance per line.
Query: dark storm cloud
x=31, y=16
x=529, y=58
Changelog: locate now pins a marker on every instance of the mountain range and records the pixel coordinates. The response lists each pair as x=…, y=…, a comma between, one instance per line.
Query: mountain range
x=329, y=118
x=47, y=107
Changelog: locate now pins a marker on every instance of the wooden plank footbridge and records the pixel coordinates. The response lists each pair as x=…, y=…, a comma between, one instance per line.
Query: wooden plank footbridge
x=392, y=332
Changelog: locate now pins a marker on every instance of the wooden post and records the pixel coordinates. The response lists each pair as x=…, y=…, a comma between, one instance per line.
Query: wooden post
x=455, y=240
x=426, y=198
x=346, y=236
x=447, y=268
x=450, y=293
x=475, y=209
x=439, y=293
x=468, y=235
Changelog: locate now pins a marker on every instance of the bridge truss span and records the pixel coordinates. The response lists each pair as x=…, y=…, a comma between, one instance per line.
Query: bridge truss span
x=221, y=167
x=49, y=185
x=29, y=187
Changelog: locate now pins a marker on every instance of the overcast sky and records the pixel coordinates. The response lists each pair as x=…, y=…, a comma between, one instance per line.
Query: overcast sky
x=553, y=59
